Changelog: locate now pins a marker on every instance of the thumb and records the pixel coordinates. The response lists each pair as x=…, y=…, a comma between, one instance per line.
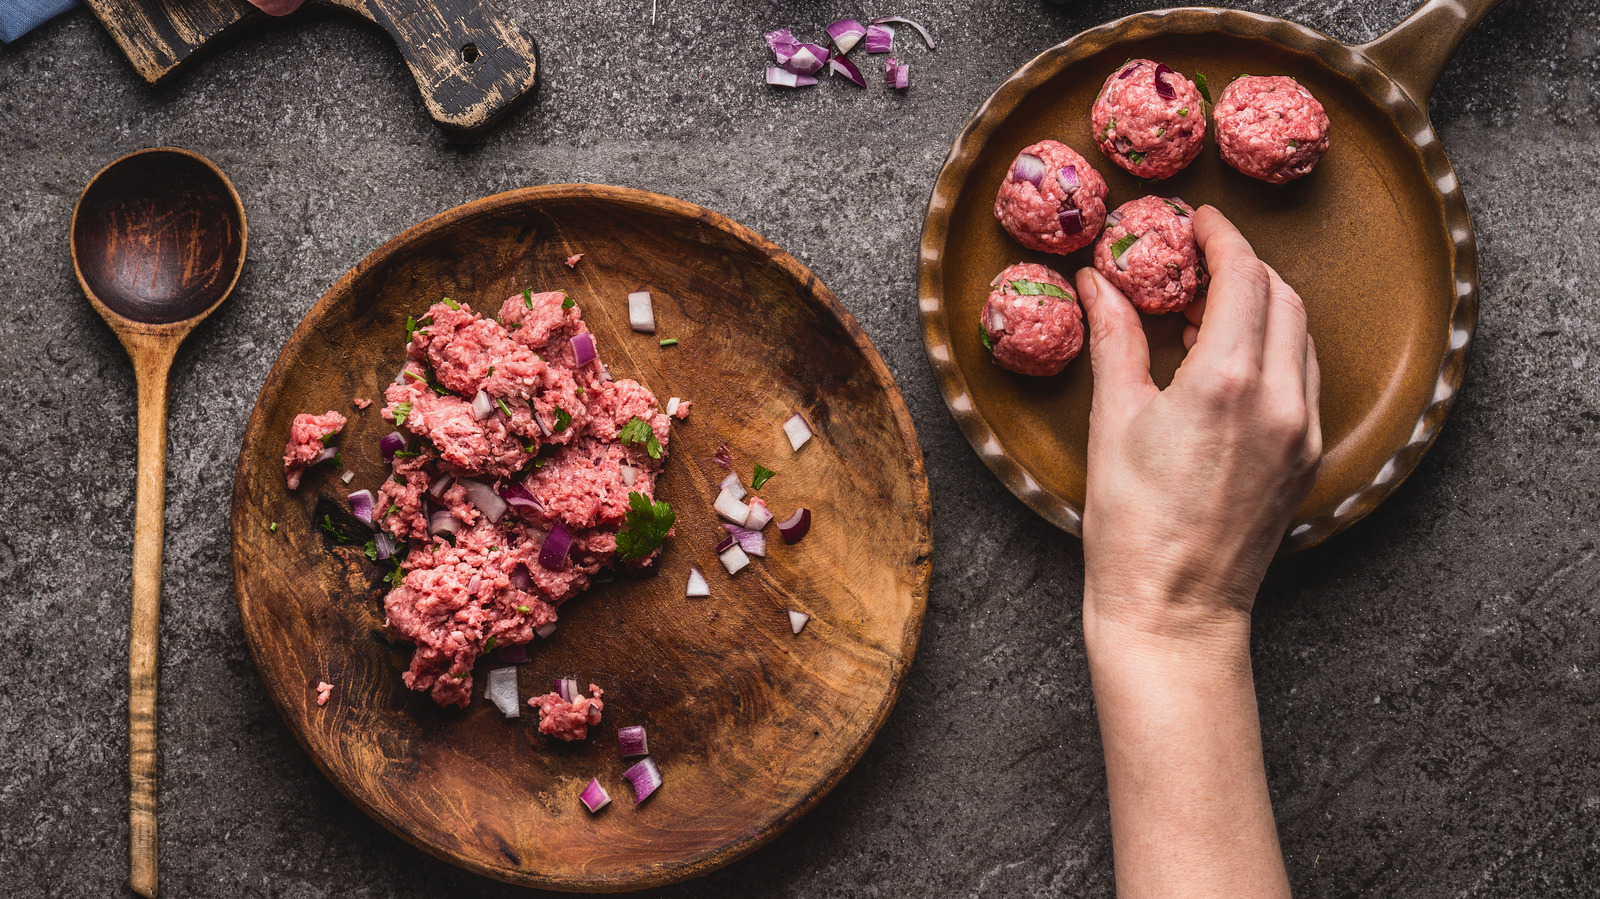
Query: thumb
x=1118, y=351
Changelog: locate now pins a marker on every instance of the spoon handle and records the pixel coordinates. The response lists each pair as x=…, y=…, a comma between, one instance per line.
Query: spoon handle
x=144, y=634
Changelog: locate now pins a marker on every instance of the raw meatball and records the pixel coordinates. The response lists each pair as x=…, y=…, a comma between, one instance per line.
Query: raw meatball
x=1269, y=127
x=308, y=439
x=1031, y=322
x=1148, y=251
x=1052, y=200
x=1149, y=119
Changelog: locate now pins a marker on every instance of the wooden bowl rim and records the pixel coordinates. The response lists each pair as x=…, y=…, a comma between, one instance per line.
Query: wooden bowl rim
x=815, y=291
x=1339, y=59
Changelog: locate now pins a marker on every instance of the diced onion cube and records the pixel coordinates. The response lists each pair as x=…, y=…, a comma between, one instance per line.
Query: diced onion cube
x=734, y=559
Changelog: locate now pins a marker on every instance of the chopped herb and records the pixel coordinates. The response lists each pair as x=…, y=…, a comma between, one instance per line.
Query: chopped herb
x=530, y=447
x=451, y=303
x=406, y=454
x=648, y=524
x=567, y=302
x=527, y=298
x=338, y=460
x=1110, y=127
x=494, y=549
x=488, y=646
x=563, y=419
x=604, y=577
x=491, y=369
x=1041, y=302
x=396, y=574
x=272, y=528
x=1039, y=288
x=524, y=609
x=1160, y=131
x=1175, y=207
x=500, y=401
x=578, y=391
x=762, y=475
x=414, y=376
x=1293, y=145
x=983, y=335
x=400, y=413
x=1122, y=244
x=670, y=341
x=326, y=437
x=327, y=525
x=425, y=321
x=1200, y=82
x=1183, y=111
x=372, y=550
x=1135, y=157
x=539, y=463
x=638, y=431
x=439, y=389
x=461, y=675
x=513, y=326
x=399, y=478
x=389, y=511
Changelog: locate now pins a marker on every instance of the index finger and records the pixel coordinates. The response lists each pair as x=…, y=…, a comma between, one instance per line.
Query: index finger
x=1235, y=320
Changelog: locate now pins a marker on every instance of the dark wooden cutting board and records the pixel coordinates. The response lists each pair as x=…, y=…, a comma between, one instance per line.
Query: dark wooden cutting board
x=470, y=62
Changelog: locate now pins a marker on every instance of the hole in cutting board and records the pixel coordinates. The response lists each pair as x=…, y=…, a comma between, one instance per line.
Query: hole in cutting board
x=469, y=53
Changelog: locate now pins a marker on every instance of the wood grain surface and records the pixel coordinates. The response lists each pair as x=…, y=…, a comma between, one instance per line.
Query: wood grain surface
x=471, y=64
x=1377, y=240
x=749, y=723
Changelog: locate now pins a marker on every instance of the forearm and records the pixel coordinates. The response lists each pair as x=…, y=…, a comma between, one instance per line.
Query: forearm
x=1190, y=814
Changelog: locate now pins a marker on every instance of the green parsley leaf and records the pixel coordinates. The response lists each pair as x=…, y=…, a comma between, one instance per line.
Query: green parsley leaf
x=327, y=525
x=567, y=302
x=461, y=675
x=1039, y=288
x=638, y=431
x=539, y=463
x=451, y=303
x=1110, y=127
x=563, y=419
x=406, y=454
x=762, y=476
x=389, y=511
x=527, y=298
x=578, y=391
x=1293, y=145
x=272, y=528
x=399, y=478
x=414, y=376
x=396, y=574
x=524, y=609
x=1122, y=244
x=1135, y=157
x=648, y=523
x=1160, y=131
x=494, y=549
x=489, y=645
x=983, y=335
x=670, y=341
x=1175, y=207
x=530, y=447
x=400, y=413
x=372, y=550
x=500, y=401
x=338, y=460
x=491, y=369
x=1200, y=82
x=440, y=389
x=1183, y=111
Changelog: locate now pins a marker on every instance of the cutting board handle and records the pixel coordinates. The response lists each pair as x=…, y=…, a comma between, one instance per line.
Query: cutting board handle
x=471, y=63
x=1415, y=52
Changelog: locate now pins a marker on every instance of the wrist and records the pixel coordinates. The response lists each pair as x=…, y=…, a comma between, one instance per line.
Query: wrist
x=1146, y=620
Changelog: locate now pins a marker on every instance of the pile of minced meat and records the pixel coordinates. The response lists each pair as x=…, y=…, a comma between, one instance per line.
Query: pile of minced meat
x=510, y=444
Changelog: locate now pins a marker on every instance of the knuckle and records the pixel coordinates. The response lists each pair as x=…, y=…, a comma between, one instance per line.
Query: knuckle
x=1248, y=272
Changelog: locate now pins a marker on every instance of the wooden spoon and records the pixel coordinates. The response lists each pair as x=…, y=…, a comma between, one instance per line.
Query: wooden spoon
x=158, y=240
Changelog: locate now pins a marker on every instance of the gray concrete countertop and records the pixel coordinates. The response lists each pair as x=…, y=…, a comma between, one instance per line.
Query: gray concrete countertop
x=1428, y=681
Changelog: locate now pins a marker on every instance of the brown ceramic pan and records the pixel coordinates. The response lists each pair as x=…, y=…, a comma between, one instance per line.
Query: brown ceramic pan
x=1377, y=240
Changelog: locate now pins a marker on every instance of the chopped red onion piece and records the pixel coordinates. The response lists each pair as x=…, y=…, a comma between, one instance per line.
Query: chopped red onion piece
x=631, y=741
x=885, y=20
x=516, y=654
x=1129, y=70
x=997, y=321
x=697, y=584
x=443, y=523
x=553, y=554
x=545, y=630
x=1112, y=219
x=846, y=33
x=723, y=456
x=1162, y=87
x=392, y=442
x=347, y=477
x=733, y=485
x=484, y=497
x=797, y=621
x=629, y=475
x=1029, y=168
x=501, y=690
x=583, y=348
x=782, y=43
x=1122, y=260
x=361, y=505
x=1067, y=177
x=539, y=420
x=641, y=314
x=752, y=542
x=474, y=583
x=795, y=526
x=842, y=66
x=672, y=405
x=327, y=454
x=733, y=558
x=594, y=796
x=439, y=486
x=482, y=406
x=645, y=778
x=1070, y=220
x=566, y=688
x=797, y=429
x=516, y=494
x=759, y=514
x=729, y=507
x=384, y=544
x=808, y=60
x=727, y=543
x=781, y=78
x=897, y=74
x=880, y=39
x=521, y=578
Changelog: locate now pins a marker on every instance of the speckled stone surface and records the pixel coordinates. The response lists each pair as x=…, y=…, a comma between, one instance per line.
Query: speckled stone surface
x=1428, y=682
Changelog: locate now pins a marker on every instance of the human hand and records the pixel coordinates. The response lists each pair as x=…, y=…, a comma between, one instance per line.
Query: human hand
x=1191, y=488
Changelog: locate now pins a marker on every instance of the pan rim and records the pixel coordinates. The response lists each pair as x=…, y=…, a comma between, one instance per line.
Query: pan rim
x=1337, y=58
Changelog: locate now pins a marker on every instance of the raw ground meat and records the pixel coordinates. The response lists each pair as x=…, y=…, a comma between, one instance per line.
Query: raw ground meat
x=1032, y=334
x=1149, y=135
x=1271, y=128
x=307, y=440
x=1164, y=269
x=1061, y=213
x=360, y=402
x=568, y=720
x=552, y=429
x=324, y=690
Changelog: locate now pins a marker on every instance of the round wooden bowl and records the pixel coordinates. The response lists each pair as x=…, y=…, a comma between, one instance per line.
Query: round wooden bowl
x=1377, y=240
x=750, y=724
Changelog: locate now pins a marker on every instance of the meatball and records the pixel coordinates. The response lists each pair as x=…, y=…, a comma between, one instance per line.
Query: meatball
x=1269, y=127
x=1031, y=321
x=1148, y=251
x=1149, y=119
x=1052, y=200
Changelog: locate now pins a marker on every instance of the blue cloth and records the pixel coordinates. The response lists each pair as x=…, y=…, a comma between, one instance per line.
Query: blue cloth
x=18, y=17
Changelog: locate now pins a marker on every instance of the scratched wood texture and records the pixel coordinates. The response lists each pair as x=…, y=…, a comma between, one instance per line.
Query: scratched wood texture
x=471, y=64
x=750, y=724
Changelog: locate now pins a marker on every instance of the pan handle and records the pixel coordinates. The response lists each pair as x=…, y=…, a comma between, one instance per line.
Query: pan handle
x=1415, y=52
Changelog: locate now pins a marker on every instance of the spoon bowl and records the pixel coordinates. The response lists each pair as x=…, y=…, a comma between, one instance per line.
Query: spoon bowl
x=158, y=241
